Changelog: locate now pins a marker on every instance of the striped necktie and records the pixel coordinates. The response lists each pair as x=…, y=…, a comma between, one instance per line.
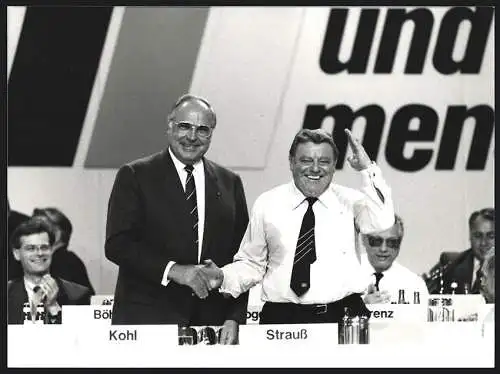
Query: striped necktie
x=193, y=208
x=305, y=252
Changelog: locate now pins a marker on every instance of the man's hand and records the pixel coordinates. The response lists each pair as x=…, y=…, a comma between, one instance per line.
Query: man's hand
x=359, y=159
x=191, y=276
x=376, y=297
x=229, y=333
x=214, y=273
x=50, y=291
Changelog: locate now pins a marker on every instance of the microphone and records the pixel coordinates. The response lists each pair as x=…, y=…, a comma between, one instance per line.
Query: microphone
x=218, y=194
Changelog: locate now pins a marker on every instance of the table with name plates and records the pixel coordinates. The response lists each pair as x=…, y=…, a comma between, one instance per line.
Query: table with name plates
x=418, y=335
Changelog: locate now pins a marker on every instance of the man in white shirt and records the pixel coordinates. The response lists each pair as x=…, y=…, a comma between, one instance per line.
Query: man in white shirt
x=300, y=241
x=385, y=276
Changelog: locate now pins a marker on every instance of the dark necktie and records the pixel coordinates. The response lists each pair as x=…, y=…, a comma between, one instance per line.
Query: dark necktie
x=378, y=277
x=477, y=282
x=193, y=208
x=305, y=252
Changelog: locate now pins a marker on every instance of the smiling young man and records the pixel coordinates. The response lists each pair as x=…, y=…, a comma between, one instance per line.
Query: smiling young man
x=168, y=213
x=385, y=275
x=32, y=245
x=300, y=241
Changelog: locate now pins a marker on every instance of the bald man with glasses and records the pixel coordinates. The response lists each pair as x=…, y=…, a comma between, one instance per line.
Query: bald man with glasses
x=386, y=276
x=169, y=213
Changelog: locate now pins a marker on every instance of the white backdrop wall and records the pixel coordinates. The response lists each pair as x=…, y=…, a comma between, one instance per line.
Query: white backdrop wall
x=260, y=69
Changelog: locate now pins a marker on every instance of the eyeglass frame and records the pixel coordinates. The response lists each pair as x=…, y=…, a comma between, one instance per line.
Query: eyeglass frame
x=196, y=128
x=387, y=241
x=31, y=248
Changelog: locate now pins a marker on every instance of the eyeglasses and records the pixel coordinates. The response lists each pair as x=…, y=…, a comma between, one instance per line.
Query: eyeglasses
x=33, y=248
x=201, y=131
x=376, y=241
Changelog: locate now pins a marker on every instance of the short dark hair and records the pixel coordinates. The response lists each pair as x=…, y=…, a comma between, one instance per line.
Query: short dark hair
x=34, y=225
x=316, y=136
x=189, y=97
x=58, y=218
x=486, y=213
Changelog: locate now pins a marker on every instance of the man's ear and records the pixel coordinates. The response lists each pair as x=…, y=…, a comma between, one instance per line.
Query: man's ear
x=16, y=254
x=291, y=161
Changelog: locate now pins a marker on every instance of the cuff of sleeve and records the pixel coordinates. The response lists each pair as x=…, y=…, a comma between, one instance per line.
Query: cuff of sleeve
x=371, y=171
x=164, y=280
x=225, y=287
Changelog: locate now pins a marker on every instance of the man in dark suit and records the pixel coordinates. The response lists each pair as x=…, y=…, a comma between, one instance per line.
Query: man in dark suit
x=32, y=245
x=461, y=270
x=170, y=214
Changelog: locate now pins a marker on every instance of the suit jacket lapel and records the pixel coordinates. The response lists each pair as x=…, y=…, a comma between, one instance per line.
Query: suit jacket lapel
x=469, y=266
x=174, y=194
x=212, y=201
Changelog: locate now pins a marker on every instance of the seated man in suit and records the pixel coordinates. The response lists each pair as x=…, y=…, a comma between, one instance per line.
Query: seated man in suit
x=32, y=245
x=385, y=275
x=461, y=270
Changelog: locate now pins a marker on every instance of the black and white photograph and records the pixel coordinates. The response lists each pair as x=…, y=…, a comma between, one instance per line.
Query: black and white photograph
x=269, y=181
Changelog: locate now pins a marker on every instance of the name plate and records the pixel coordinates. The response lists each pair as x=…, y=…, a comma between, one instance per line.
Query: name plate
x=277, y=335
x=96, y=339
x=397, y=312
x=86, y=314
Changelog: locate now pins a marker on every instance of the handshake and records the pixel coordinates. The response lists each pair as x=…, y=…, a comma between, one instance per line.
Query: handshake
x=200, y=278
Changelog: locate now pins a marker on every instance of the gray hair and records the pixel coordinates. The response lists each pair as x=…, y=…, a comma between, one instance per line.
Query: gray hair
x=186, y=98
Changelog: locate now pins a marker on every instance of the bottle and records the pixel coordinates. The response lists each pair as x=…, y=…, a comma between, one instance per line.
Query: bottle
x=355, y=330
x=401, y=298
x=364, y=330
x=416, y=297
x=345, y=327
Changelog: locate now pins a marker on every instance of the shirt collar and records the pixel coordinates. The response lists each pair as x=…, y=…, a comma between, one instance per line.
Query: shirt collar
x=179, y=165
x=327, y=198
x=29, y=284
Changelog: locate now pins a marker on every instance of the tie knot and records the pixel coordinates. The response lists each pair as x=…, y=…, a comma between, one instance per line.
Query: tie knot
x=378, y=276
x=189, y=168
x=311, y=200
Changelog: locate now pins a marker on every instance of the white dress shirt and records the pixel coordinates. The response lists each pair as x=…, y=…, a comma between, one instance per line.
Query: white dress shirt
x=199, y=181
x=395, y=278
x=28, y=286
x=268, y=247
